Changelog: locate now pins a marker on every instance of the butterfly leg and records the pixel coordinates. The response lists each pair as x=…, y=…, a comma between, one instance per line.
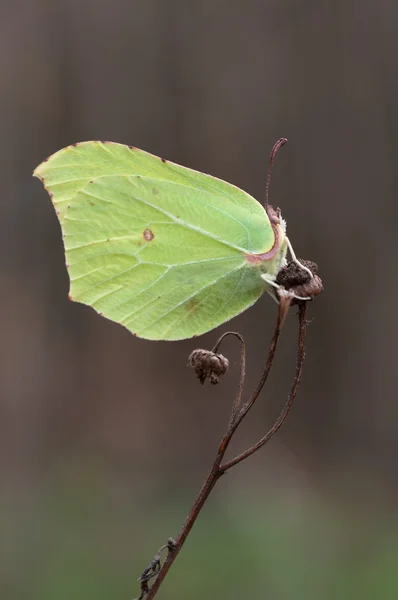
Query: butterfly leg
x=296, y=260
x=302, y=297
x=268, y=279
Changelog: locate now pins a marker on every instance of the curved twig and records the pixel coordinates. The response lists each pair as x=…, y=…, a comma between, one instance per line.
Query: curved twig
x=238, y=397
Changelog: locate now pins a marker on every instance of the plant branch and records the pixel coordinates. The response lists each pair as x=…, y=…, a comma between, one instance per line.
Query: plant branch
x=292, y=395
x=238, y=397
x=267, y=368
x=238, y=413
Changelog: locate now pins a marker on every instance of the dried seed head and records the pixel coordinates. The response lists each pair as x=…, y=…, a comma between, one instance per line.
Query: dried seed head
x=298, y=280
x=208, y=365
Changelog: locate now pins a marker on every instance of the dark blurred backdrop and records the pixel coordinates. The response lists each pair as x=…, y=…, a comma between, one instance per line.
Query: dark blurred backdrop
x=104, y=438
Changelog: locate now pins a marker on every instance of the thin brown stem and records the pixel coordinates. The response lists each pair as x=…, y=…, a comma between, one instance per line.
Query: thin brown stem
x=237, y=415
x=270, y=359
x=204, y=493
x=292, y=395
x=242, y=374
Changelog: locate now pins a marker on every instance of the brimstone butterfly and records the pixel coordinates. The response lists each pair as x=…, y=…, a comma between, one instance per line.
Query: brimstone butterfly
x=164, y=250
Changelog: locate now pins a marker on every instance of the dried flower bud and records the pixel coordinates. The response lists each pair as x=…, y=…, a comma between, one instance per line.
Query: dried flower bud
x=292, y=277
x=208, y=365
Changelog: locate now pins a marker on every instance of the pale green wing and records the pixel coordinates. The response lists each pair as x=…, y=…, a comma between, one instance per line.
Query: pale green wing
x=152, y=245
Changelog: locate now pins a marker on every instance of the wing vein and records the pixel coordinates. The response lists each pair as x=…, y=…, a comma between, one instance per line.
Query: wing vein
x=188, y=298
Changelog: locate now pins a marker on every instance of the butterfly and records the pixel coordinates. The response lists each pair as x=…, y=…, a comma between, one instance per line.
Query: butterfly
x=166, y=251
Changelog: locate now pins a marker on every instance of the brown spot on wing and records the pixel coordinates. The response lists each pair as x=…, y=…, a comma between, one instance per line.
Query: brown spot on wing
x=148, y=235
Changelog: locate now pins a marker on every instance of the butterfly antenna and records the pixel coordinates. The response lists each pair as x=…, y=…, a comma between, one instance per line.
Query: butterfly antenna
x=277, y=146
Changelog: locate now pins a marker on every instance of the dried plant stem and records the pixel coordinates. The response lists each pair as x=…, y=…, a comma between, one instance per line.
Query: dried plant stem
x=238, y=398
x=292, y=394
x=238, y=413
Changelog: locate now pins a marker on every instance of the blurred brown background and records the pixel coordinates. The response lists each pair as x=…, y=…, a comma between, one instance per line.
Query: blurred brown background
x=104, y=438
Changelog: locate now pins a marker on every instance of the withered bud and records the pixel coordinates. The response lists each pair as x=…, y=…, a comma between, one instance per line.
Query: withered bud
x=208, y=365
x=293, y=277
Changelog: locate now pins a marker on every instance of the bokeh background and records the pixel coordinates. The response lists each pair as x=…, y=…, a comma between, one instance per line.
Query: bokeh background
x=105, y=439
